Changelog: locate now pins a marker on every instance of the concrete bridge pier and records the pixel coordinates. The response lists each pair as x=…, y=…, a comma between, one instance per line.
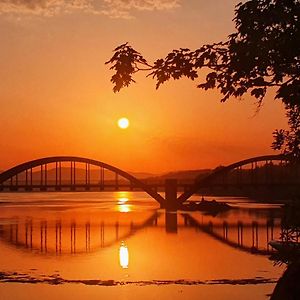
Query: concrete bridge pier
x=171, y=203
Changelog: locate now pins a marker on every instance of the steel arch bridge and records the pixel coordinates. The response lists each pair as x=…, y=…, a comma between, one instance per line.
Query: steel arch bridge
x=261, y=170
x=12, y=175
x=254, y=172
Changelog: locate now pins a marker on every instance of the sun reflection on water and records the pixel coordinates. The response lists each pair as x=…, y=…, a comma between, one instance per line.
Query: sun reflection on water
x=123, y=256
x=124, y=208
x=122, y=203
x=122, y=200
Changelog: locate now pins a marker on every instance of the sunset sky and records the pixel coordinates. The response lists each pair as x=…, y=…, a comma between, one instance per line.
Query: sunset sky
x=57, y=98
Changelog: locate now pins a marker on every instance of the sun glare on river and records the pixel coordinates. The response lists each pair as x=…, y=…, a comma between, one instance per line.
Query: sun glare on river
x=122, y=206
x=123, y=256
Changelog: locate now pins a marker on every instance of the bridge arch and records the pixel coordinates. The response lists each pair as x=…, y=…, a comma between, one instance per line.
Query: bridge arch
x=24, y=167
x=205, y=181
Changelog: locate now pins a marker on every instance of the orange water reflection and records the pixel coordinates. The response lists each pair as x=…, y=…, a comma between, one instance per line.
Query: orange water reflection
x=82, y=242
x=123, y=206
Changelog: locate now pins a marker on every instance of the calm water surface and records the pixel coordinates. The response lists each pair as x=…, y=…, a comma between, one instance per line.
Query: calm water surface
x=120, y=245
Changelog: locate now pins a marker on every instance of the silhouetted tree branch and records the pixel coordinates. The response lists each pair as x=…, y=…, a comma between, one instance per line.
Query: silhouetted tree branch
x=262, y=53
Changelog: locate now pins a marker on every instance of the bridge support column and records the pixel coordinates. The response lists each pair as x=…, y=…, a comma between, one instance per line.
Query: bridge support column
x=171, y=194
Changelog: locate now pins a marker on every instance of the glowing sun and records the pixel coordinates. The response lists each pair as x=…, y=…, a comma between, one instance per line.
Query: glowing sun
x=123, y=123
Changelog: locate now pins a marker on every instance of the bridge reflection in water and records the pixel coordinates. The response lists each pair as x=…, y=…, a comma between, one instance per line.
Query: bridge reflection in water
x=57, y=237
x=61, y=237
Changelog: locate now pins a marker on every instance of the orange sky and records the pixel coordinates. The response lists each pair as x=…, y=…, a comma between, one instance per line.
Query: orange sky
x=56, y=96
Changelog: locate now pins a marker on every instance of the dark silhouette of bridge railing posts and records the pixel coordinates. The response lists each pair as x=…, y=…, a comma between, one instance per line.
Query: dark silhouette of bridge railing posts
x=271, y=175
x=47, y=178
x=251, y=237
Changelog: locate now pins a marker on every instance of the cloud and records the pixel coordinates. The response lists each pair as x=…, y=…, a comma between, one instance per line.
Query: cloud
x=43, y=7
x=123, y=8
x=111, y=8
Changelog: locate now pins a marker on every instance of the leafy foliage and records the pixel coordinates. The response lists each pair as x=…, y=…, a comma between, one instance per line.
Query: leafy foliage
x=289, y=140
x=262, y=53
x=125, y=62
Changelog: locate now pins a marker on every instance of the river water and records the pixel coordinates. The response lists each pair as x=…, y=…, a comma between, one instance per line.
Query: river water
x=120, y=245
